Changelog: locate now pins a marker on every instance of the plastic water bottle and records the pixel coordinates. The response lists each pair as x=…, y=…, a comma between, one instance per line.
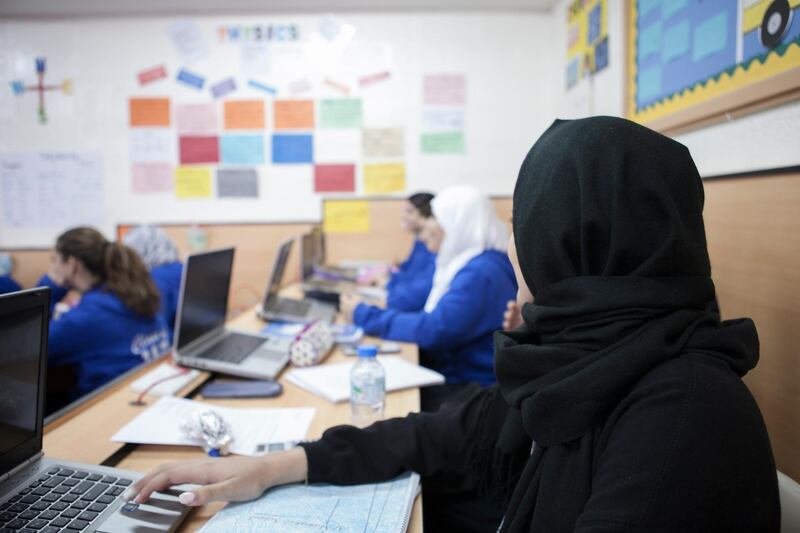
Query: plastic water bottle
x=367, y=387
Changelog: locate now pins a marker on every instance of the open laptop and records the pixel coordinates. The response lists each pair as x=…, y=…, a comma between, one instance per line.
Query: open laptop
x=201, y=338
x=44, y=494
x=318, y=277
x=289, y=309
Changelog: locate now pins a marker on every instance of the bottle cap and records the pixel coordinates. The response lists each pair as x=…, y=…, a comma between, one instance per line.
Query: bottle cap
x=367, y=350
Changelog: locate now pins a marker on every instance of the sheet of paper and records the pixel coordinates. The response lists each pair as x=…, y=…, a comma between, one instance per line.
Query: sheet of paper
x=253, y=429
x=152, y=74
x=191, y=79
x=193, y=182
x=648, y=83
x=335, y=178
x=254, y=59
x=443, y=143
x=444, y=89
x=148, y=111
x=152, y=177
x=299, y=86
x=710, y=36
x=53, y=189
x=383, y=142
x=170, y=386
x=384, y=178
x=244, y=115
x=291, y=148
x=242, y=149
x=676, y=41
x=434, y=119
x=152, y=145
x=337, y=146
x=345, y=216
x=372, y=79
x=340, y=113
x=187, y=37
x=649, y=40
x=262, y=87
x=294, y=114
x=198, y=149
x=196, y=119
x=332, y=381
x=237, y=183
x=223, y=88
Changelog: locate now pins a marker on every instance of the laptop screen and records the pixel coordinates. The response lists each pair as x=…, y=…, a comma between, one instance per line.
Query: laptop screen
x=23, y=352
x=277, y=272
x=313, y=252
x=204, y=295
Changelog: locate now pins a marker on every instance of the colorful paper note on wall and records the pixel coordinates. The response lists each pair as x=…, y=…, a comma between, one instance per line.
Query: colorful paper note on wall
x=294, y=114
x=345, y=216
x=152, y=177
x=710, y=36
x=383, y=142
x=334, y=178
x=242, y=149
x=188, y=39
x=237, y=183
x=244, y=115
x=148, y=111
x=444, y=89
x=340, y=113
x=198, y=149
x=434, y=119
x=193, y=182
x=152, y=74
x=191, y=79
x=196, y=119
x=220, y=89
x=152, y=145
x=443, y=143
x=289, y=148
x=384, y=178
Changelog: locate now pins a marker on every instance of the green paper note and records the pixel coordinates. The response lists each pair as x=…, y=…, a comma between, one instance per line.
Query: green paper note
x=443, y=143
x=340, y=113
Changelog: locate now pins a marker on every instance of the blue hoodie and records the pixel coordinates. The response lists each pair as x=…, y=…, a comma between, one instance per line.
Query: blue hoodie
x=7, y=284
x=408, y=288
x=167, y=278
x=101, y=338
x=457, y=334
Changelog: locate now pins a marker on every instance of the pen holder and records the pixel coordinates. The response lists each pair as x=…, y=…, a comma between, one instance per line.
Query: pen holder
x=312, y=345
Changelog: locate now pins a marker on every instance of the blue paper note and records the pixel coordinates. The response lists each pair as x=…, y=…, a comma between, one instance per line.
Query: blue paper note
x=292, y=148
x=191, y=79
x=646, y=6
x=676, y=41
x=261, y=87
x=670, y=7
x=601, y=55
x=595, y=23
x=224, y=87
x=242, y=149
x=649, y=40
x=18, y=87
x=572, y=73
x=710, y=36
x=649, y=84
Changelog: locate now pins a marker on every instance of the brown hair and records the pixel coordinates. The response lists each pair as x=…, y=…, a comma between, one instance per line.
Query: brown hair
x=115, y=264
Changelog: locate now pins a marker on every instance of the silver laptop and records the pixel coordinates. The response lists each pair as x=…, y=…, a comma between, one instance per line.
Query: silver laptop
x=201, y=338
x=318, y=277
x=290, y=309
x=45, y=494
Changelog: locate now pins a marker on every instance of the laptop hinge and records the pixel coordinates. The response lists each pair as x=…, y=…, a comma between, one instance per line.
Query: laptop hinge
x=201, y=341
x=22, y=466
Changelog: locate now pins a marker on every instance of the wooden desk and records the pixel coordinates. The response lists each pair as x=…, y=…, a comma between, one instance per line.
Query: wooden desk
x=84, y=435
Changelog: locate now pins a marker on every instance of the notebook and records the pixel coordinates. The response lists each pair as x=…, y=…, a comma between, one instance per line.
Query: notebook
x=378, y=508
x=332, y=382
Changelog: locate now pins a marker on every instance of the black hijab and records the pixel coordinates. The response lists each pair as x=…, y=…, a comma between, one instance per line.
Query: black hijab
x=610, y=239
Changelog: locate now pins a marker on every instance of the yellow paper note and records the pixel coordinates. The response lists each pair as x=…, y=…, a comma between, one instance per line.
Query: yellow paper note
x=345, y=216
x=193, y=182
x=384, y=178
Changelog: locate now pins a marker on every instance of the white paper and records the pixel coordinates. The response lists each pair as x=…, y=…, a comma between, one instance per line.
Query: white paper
x=253, y=429
x=332, y=382
x=443, y=119
x=337, y=146
x=362, y=58
x=152, y=145
x=188, y=40
x=51, y=189
x=168, y=387
x=255, y=59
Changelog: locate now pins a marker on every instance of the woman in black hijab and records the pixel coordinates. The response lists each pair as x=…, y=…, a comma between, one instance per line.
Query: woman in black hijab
x=619, y=405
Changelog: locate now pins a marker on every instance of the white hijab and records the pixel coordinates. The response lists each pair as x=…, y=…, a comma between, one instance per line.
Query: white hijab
x=471, y=226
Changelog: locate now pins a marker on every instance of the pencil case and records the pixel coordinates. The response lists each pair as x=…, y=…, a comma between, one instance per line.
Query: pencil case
x=312, y=345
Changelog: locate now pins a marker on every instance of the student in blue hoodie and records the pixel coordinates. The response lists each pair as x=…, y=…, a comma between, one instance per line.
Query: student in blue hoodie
x=161, y=257
x=410, y=284
x=117, y=324
x=7, y=283
x=473, y=281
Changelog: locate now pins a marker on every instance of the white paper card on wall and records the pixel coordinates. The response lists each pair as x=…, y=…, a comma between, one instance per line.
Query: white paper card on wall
x=383, y=142
x=152, y=145
x=442, y=119
x=51, y=189
x=188, y=40
x=255, y=59
x=337, y=146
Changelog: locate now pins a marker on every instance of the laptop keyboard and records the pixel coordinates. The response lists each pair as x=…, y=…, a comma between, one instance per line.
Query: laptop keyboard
x=232, y=348
x=291, y=307
x=62, y=499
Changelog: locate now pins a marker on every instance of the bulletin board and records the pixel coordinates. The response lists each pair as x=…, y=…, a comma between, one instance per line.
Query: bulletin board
x=689, y=60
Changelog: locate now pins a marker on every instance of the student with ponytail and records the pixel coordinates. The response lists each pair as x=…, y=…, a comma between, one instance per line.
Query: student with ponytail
x=117, y=324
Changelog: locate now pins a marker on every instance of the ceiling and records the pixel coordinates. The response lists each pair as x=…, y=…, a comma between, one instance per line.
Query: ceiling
x=102, y=8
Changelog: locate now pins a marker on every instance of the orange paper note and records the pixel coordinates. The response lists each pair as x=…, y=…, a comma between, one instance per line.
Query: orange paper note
x=294, y=114
x=244, y=115
x=149, y=111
